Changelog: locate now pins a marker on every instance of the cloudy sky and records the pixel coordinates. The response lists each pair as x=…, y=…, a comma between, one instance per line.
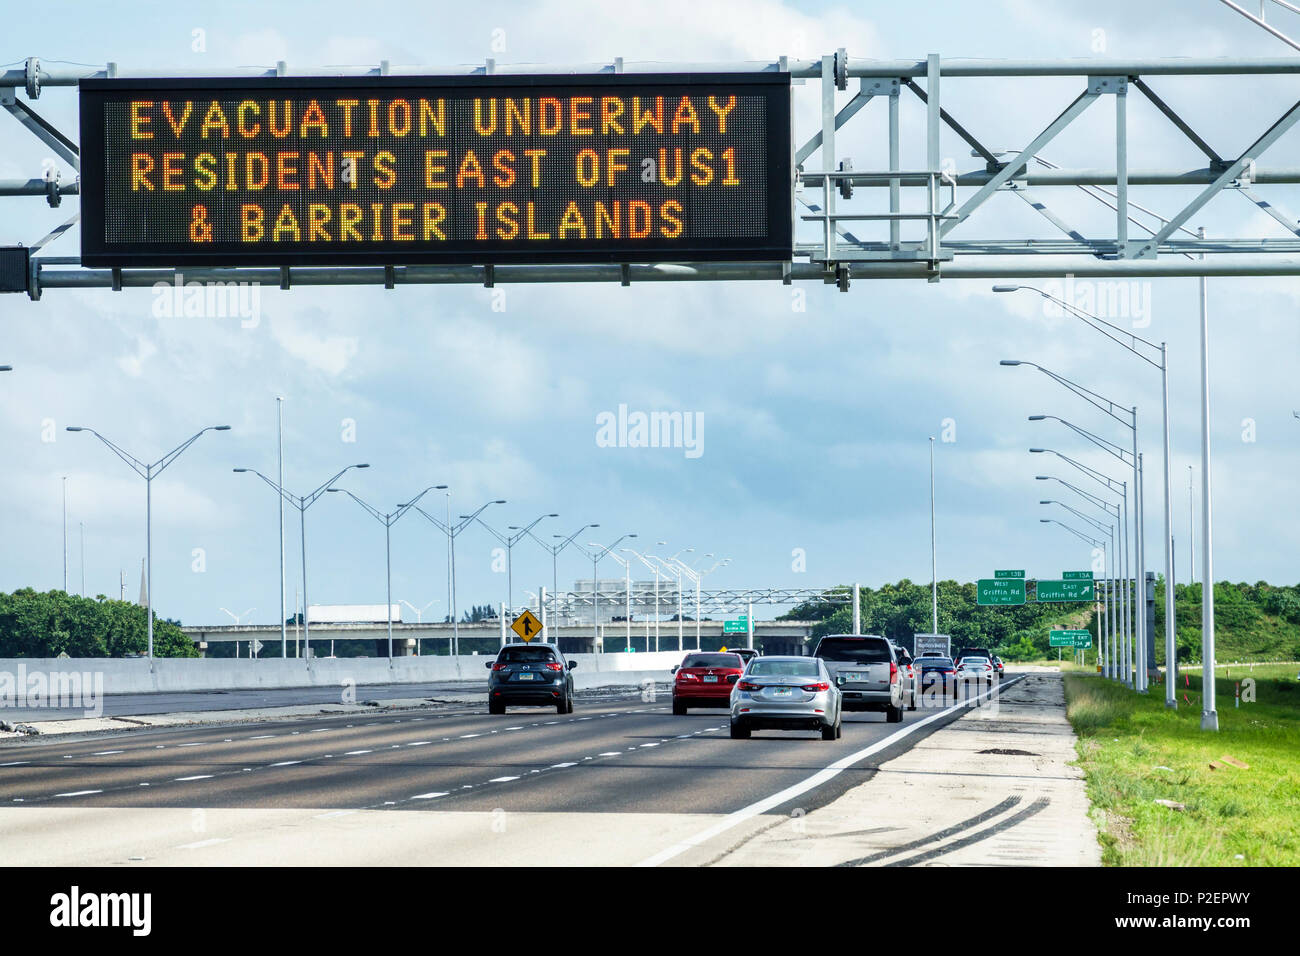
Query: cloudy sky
x=815, y=421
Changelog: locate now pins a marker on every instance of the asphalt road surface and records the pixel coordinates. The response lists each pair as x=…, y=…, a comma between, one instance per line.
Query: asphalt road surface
x=624, y=756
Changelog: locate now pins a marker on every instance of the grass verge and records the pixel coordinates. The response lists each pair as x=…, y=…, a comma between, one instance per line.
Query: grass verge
x=1134, y=752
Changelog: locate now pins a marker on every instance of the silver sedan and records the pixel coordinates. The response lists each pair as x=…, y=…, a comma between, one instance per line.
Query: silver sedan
x=785, y=693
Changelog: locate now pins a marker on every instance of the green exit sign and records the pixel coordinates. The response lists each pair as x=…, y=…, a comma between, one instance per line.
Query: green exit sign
x=1008, y=574
x=1077, y=575
x=735, y=627
x=1080, y=639
x=1071, y=590
x=1000, y=591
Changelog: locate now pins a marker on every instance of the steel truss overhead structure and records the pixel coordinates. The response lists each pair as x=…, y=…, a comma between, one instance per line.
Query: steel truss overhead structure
x=829, y=190
x=723, y=601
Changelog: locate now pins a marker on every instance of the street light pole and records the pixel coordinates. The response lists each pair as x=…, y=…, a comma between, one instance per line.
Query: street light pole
x=555, y=550
x=284, y=622
x=65, y=534
x=388, y=520
x=1209, y=714
x=302, y=503
x=452, y=531
x=596, y=555
x=1109, y=406
x=1171, y=642
x=509, y=540
x=1110, y=484
x=148, y=472
x=934, y=561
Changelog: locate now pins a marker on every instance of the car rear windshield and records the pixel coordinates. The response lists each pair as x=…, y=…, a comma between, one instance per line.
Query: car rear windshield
x=858, y=650
x=934, y=661
x=526, y=655
x=712, y=660
x=766, y=668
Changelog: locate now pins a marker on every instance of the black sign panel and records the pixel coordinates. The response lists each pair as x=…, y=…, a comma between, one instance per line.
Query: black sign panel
x=400, y=170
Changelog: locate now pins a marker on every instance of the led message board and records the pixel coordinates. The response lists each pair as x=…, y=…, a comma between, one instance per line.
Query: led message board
x=436, y=169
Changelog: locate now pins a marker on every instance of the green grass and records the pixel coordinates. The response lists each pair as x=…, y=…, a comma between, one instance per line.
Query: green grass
x=1135, y=752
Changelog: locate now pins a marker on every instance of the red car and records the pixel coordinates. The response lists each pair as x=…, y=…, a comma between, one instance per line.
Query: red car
x=705, y=679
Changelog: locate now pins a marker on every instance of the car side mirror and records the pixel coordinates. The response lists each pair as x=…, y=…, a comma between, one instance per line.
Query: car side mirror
x=489, y=664
x=572, y=664
x=673, y=669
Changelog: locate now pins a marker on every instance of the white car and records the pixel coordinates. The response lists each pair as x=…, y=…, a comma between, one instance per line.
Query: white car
x=975, y=671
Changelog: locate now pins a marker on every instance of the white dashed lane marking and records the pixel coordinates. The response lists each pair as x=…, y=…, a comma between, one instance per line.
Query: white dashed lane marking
x=202, y=843
x=78, y=793
x=197, y=776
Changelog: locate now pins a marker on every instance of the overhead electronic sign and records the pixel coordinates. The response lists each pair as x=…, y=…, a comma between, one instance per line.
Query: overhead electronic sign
x=436, y=169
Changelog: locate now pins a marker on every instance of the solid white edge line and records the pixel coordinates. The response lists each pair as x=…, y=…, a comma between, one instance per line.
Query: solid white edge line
x=816, y=780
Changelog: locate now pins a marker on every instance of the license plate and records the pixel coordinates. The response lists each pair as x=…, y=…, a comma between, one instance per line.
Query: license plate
x=710, y=680
x=857, y=678
x=783, y=692
x=527, y=676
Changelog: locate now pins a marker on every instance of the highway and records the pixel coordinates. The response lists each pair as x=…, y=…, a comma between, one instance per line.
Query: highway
x=624, y=756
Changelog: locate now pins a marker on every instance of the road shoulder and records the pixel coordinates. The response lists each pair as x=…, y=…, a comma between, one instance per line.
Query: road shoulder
x=997, y=787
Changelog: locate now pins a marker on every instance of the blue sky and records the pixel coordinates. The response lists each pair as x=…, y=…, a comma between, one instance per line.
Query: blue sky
x=816, y=422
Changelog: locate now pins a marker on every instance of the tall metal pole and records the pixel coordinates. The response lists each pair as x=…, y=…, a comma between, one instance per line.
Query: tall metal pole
x=1191, y=527
x=148, y=554
x=697, y=611
x=388, y=567
x=1139, y=576
x=65, y=534
x=1171, y=647
x=455, y=624
x=934, y=565
x=1126, y=655
x=306, y=627
x=1141, y=579
x=1209, y=715
x=284, y=624
x=1111, y=558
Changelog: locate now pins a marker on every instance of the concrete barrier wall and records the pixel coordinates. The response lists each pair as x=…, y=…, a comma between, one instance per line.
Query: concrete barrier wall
x=176, y=675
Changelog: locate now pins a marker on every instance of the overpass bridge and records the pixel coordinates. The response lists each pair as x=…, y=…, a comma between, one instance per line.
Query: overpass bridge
x=773, y=637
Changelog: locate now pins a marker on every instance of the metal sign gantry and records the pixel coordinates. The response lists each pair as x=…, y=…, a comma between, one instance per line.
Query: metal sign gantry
x=832, y=195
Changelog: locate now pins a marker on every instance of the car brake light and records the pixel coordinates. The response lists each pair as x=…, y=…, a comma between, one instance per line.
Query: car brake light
x=748, y=685
x=893, y=672
x=499, y=666
x=816, y=688
x=554, y=666
x=683, y=675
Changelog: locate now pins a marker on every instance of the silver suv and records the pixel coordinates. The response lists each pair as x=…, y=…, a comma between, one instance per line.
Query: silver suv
x=866, y=670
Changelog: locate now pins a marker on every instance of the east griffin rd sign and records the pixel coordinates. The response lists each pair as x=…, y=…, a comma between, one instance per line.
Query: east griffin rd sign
x=1072, y=590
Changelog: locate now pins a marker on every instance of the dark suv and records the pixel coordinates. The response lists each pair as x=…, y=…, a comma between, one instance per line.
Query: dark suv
x=530, y=674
